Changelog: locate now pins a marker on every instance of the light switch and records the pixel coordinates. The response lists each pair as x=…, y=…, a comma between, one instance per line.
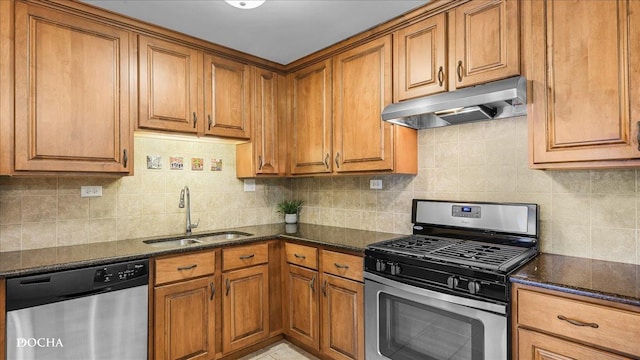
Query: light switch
x=375, y=184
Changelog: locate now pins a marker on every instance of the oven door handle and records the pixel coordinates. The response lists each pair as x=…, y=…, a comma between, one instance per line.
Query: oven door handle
x=477, y=304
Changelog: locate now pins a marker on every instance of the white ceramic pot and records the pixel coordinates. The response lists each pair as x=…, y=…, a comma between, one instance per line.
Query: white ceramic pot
x=290, y=218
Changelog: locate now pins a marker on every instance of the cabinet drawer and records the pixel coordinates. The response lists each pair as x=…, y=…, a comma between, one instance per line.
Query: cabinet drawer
x=243, y=256
x=306, y=256
x=594, y=324
x=348, y=266
x=184, y=267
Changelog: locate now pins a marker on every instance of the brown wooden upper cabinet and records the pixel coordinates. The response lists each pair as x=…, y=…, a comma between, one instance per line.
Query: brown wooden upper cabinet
x=72, y=93
x=311, y=120
x=485, y=42
x=420, y=59
x=336, y=123
x=480, y=38
x=584, y=68
x=265, y=154
x=184, y=90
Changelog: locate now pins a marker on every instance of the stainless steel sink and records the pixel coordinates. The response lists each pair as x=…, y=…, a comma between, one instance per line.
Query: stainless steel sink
x=197, y=239
x=227, y=235
x=172, y=242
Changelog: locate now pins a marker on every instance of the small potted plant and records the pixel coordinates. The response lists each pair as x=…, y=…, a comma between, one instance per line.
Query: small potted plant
x=290, y=209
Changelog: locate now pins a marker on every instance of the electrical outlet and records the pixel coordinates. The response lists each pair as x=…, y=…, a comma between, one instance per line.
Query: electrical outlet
x=249, y=185
x=90, y=191
x=375, y=184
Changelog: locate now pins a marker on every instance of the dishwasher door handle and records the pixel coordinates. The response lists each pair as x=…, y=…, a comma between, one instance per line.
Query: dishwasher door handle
x=86, y=293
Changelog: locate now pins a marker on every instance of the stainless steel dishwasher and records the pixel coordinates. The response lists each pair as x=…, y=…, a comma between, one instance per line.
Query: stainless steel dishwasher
x=95, y=313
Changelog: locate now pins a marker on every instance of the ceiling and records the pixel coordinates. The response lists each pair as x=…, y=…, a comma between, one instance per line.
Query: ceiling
x=280, y=30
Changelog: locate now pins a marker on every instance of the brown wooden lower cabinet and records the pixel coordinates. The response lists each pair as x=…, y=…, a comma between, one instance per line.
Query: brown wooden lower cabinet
x=537, y=346
x=185, y=319
x=343, y=318
x=555, y=325
x=245, y=307
x=303, y=306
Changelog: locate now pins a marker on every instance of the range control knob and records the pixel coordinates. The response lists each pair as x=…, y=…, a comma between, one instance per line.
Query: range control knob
x=395, y=269
x=474, y=287
x=381, y=265
x=452, y=282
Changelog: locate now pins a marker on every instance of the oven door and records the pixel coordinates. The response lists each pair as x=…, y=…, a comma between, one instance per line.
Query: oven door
x=407, y=322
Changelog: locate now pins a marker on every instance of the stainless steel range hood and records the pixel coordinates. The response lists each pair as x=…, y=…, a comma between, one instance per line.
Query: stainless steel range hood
x=494, y=100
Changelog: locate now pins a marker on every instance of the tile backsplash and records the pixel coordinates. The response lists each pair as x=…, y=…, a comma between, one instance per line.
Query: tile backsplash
x=592, y=214
x=37, y=212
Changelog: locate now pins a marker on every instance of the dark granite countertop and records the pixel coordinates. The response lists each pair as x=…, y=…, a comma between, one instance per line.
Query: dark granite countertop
x=18, y=263
x=612, y=281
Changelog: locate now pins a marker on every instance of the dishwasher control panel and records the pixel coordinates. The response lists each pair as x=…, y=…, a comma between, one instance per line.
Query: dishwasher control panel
x=120, y=272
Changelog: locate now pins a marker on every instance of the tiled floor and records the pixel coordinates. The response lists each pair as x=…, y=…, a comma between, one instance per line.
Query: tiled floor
x=282, y=350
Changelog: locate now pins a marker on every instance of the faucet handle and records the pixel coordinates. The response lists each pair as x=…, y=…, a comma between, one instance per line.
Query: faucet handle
x=193, y=226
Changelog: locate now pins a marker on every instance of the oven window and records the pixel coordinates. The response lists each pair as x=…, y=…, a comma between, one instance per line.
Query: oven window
x=410, y=330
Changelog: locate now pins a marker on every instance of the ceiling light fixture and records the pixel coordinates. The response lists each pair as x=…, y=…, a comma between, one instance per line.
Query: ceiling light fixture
x=245, y=4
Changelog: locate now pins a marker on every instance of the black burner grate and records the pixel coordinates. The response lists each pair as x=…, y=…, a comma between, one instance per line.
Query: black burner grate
x=457, y=251
x=415, y=245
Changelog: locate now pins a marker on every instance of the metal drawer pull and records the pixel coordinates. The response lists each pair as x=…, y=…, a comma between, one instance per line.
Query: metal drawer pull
x=338, y=160
x=188, y=267
x=312, y=282
x=213, y=290
x=324, y=287
x=578, y=322
x=440, y=76
x=195, y=119
x=326, y=158
x=245, y=257
x=228, y=286
x=459, y=70
x=341, y=266
x=210, y=121
x=299, y=256
x=638, y=137
x=125, y=155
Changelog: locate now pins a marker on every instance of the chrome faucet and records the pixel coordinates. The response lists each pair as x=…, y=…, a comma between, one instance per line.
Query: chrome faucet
x=185, y=192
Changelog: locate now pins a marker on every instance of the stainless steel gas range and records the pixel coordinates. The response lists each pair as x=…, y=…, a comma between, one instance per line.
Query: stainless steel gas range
x=443, y=292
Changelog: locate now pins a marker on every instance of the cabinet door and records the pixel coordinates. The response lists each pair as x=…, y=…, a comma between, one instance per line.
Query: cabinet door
x=227, y=96
x=184, y=320
x=536, y=346
x=72, y=110
x=343, y=318
x=169, y=90
x=266, y=121
x=303, y=306
x=245, y=307
x=311, y=120
x=419, y=61
x=486, y=42
x=583, y=111
x=361, y=89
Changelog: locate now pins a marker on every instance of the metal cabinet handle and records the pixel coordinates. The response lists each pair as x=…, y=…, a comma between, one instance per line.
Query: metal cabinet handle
x=299, y=256
x=195, y=119
x=337, y=158
x=213, y=290
x=260, y=162
x=441, y=76
x=125, y=155
x=228, y=286
x=188, y=267
x=577, y=322
x=341, y=266
x=324, y=287
x=210, y=121
x=245, y=257
x=312, y=282
x=638, y=138
x=459, y=70
x=326, y=158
